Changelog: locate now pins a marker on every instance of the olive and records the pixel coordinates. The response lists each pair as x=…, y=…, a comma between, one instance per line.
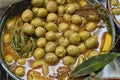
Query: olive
x=63, y=41
x=51, y=27
x=50, y=47
x=116, y=11
x=37, y=3
x=83, y=3
x=82, y=47
x=28, y=28
x=63, y=27
x=41, y=42
x=93, y=53
x=27, y=15
x=52, y=17
x=84, y=20
x=35, y=9
x=84, y=35
x=70, y=8
x=37, y=22
x=67, y=17
x=74, y=27
x=68, y=60
x=76, y=19
x=92, y=16
x=68, y=33
x=73, y=50
x=50, y=36
x=61, y=10
x=10, y=24
x=61, y=2
x=91, y=26
x=6, y=38
x=9, y=58
x=21, y=61
x=91, y=43
x=74, y=38
x=40, y=32
x=60, y=51
x=20, y=71
x=51, y=6
x=38, y=53
x=59, y=35
x=80, y=59
x=77, y=6
x=114, y=2
x=51, y=58
x=42, y=12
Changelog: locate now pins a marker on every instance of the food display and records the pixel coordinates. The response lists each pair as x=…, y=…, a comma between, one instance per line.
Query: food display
x=51, y=37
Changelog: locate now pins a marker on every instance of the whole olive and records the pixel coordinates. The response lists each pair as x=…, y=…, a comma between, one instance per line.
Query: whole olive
x=41, y=42
x=84, y=35
x=91, y=26
x=91, y=43
x=51, y=27
x=59, y=35
x=61, y=10
x=76, y=19
x=61, y=2
x=60, y=51
x=27, y=15
x=10, y=24
x=50, y=47
x=73, y=50
x=28, y=28
x=51, y=58
x=6, y=38
x=67, y=17
x=68, y=60
x=51, y=6
x=37, y=22
x=74, y=38
x=37, y=3
x=82, y=47
x=38, y=53
x=21, y=61
x=68, y=33
x=70, y=8
x=63, y=41
x=114, y=2
x=9, y=58
x=20, y=71
x=74, y=27
x=63, y=27
x=50, y=36
x=93, y=53
x=52, y=17
x=83, y=3
x=42, y=12
x=40, y=32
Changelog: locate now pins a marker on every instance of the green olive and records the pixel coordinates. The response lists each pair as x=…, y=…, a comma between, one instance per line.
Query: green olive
x=91, y=26
x=6, y=38
x=52, y=17
x=37, y=22
x=41, y=42
x=51, y=58
x=40, y=32
x=116, y=11
x=50, y=36
x=61, y=2
x=68, y=60
x=50, y=47
x=70, y=8
x=51, y=27
x=91, y=43
x=10, y=24
x=68, y=33
x=9, y=58
x=20, y=71
x=37, y=3
x=59, y=35
x=80, y=59
x=114, y=2
x=77, y=6
x=28, y=28
x=63, y=27
x=61, y=10
x=27, y=15
x=38, y=53
x=63, y=41
x=74, y=38
x=67, y=17
x=93, y=53
x=21, y=61
x=76, y=19
x=84, y=35
x=84, y=20
x=73, y=50
x=83, y=3
x=51, y=6
x=74, y=27
x=60, y=51
x=35, y=10
x=82, y=47
x=42, y=12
